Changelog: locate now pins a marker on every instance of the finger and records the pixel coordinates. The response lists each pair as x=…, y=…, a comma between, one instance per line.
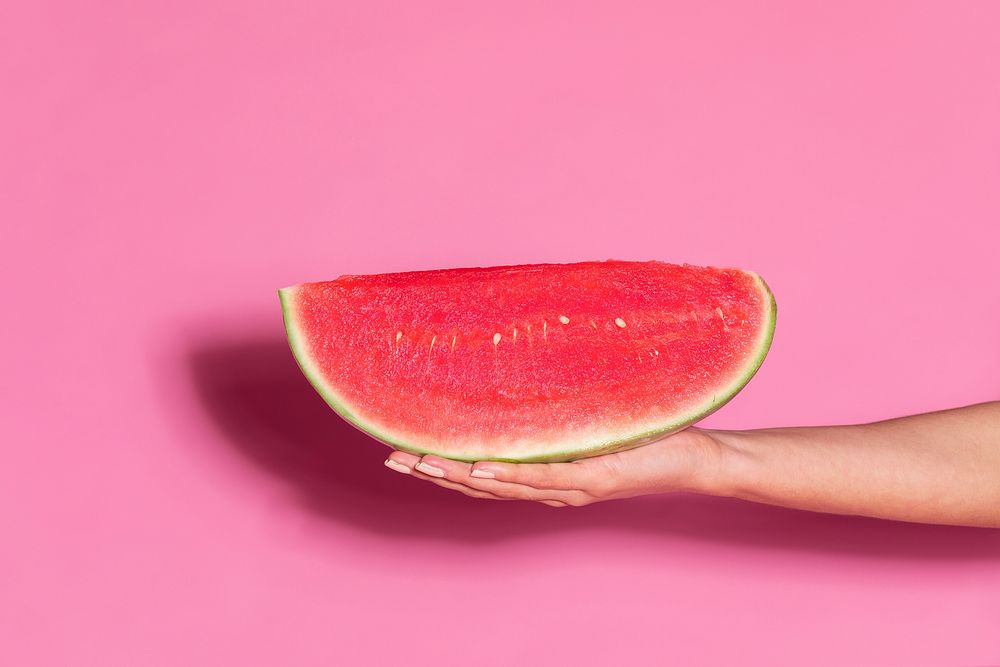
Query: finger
x=456, y=475
x=407, y=463
x=437, y=466
x=458, y=471
x=503, y=491
x=561, y=476
x=455, y=486
x=403, y=462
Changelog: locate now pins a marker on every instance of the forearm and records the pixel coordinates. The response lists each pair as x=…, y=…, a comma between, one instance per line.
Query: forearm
x=939, y=467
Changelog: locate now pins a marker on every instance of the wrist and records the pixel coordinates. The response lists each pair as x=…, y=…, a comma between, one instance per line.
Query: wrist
x=728, y=463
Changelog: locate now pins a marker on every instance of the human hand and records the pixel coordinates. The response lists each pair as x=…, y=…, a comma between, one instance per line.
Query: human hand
x=688, y=460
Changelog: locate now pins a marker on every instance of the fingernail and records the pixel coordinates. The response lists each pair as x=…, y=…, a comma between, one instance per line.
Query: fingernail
x=428, y=469
x=482, y=474
x=398, y=467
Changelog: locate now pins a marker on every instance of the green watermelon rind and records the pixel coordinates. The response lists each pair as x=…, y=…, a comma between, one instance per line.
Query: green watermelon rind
x=316, y=380
x=340, y=406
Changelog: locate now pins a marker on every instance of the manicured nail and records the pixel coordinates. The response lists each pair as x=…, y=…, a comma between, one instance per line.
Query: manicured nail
x=482, y=474
x=428, y=469
x=398, y=467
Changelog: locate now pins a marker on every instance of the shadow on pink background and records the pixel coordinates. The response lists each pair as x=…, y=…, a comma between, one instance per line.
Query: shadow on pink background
x=173, y=492
x=263, y=409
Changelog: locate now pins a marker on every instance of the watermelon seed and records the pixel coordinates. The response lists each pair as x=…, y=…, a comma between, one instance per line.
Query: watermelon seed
x=399, y=334
x=620, y=322
x=564, y=319
x=545, y=329
x=592, y=324
x=722, y=317
x=433, y=338
x=453, y=342
x=515, y=335
x=496, y=338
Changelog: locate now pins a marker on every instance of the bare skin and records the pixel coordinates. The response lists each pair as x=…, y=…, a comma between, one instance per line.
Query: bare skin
x=939, y=467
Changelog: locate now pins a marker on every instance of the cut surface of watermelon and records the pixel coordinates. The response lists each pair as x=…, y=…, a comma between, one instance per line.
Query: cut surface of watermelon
x=538, y=362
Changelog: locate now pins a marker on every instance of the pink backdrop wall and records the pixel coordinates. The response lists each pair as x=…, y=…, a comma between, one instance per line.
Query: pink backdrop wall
x=172, y=492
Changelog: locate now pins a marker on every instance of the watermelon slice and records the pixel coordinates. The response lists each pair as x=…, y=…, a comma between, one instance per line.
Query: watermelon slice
x=542, y=362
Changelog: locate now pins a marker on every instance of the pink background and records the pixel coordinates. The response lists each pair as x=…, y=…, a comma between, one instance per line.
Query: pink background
x=173, y=492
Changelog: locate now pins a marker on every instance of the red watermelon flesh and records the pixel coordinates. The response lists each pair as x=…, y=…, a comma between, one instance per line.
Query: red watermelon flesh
x=543, y=362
